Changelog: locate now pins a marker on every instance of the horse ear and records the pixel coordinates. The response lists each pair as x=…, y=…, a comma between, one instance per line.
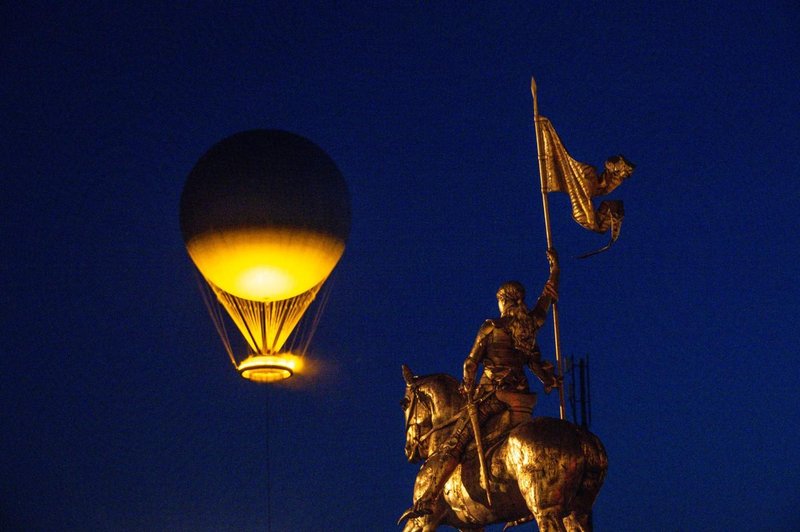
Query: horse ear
x=408, y=375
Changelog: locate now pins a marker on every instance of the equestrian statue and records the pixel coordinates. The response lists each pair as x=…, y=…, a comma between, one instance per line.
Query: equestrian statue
x=486, y=459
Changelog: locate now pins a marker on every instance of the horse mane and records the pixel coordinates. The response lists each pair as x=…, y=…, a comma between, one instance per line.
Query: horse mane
x=441, y=395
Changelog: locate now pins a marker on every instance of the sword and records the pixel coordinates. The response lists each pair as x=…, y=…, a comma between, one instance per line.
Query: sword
x=472, y=410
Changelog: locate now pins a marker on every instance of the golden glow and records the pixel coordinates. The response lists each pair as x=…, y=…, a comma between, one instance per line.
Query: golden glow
x=265, y=264
x=270, y=368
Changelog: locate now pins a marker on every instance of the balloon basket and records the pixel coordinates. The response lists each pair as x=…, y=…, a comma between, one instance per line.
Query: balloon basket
x=269, y=368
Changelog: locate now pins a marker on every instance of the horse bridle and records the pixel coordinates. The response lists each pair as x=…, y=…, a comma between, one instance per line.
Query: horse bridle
x=412, y=414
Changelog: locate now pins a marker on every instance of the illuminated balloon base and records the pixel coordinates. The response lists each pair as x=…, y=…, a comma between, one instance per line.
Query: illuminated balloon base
x=269, y=368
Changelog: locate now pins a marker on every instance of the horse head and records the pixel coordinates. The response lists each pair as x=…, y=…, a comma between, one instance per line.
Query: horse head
x=429, y=402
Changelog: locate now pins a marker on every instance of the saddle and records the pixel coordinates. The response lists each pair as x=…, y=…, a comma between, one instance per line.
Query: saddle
x=520, y=404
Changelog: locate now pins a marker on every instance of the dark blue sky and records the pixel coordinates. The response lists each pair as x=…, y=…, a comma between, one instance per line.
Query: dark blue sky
x=118, y=406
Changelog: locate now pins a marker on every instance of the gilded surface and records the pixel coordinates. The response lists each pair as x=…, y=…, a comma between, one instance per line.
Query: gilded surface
x=562, y=173
x=544, y=469
x=485, y=459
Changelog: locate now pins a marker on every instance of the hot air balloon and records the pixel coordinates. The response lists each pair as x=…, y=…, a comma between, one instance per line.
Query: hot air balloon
x=264, y=215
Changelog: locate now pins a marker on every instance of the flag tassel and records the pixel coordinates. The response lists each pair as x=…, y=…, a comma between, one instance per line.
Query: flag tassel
x=614, y=234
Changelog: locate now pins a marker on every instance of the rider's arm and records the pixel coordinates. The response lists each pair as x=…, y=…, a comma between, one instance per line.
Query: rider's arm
x=476, y=355
x=549, y=293
x=543, y=369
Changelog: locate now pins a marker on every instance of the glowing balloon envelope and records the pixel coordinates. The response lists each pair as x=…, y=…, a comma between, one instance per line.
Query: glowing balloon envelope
x=265, y=215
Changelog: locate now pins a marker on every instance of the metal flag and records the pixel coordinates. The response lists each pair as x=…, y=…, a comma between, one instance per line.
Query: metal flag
x=581, y=182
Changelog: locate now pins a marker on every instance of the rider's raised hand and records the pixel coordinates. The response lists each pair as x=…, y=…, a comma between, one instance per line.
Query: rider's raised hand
x=552, y=258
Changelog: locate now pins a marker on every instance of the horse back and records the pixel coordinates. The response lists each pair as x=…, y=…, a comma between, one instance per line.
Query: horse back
x=558, y=459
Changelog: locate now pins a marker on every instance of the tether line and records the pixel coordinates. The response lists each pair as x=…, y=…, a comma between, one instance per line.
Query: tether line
x=269, y=480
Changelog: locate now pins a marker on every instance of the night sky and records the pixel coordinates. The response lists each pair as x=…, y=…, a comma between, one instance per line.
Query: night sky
x=119, y=408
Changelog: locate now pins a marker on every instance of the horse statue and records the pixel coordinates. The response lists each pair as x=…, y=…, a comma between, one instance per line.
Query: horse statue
x=545, y=469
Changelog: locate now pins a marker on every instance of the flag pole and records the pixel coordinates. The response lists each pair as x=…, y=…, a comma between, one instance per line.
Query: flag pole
x=549, y=235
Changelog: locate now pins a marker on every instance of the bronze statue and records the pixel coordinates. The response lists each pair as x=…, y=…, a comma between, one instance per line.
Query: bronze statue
x=496, y=416
x=544, y=468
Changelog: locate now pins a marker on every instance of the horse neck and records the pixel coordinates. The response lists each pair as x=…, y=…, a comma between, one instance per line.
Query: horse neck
x=444, y=405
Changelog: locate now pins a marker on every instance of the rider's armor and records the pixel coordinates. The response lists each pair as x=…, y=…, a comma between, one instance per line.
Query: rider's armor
x=503, y=370
x=503, y=364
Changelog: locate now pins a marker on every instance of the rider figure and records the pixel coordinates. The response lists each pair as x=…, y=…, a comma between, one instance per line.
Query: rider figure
x=505, y=346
